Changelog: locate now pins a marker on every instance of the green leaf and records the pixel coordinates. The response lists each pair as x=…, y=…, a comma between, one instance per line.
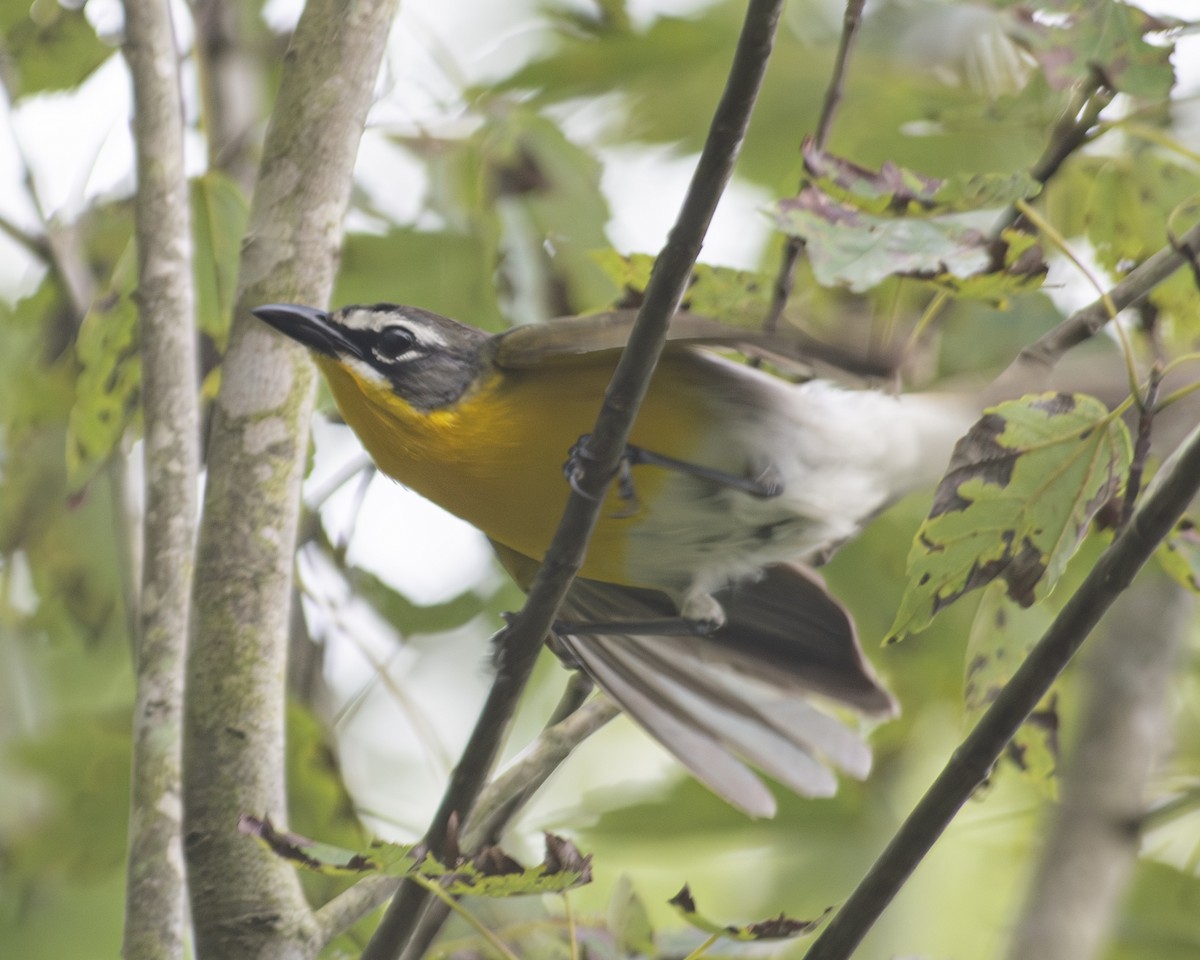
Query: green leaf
x=110, y=376
x=489, y=873
x=628, y=921
x=1001, y=635
x=1016, y=500
x=739, y=298
x=1179, y=555
x=409, y=617
x=1106, y=37
x=447, y=272
x=83, y=765
x=1158, y=919
x=781, y=927
x=219, y=214
x=850, y=248
x=51, y=46
x=895, y=190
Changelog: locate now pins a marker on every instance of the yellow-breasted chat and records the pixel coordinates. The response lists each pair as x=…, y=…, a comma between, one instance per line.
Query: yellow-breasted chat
x=734, y=479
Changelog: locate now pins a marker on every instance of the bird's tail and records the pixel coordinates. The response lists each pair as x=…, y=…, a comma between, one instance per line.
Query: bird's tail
x=742, y=696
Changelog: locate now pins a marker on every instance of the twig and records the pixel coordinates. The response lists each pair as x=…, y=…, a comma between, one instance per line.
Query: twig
x=785, y=279
x=154, y=904
x=969, y=765
x=35, y=246
x=1041, y=355
x=851, y=21
x=1148, y=406
x=664, y=292
x=1188, y=251
x=497, y=804
x=1071, y=132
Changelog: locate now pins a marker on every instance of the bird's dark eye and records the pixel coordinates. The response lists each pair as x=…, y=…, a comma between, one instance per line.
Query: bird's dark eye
x=394, y=342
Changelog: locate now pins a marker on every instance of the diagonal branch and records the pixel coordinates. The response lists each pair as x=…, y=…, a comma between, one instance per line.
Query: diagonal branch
x=1035, y=361
x=969, y=765
x=154, y=905
x=523, y=638
x=785, y=278
x=498, y=803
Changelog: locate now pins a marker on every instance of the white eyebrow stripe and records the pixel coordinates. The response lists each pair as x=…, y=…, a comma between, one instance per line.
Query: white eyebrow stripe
x=423, y=334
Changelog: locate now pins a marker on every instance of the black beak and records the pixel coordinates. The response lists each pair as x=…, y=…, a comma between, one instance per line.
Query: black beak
x=307, y=325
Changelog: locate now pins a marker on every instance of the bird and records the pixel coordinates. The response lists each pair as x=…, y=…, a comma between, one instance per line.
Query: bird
x=697, y=608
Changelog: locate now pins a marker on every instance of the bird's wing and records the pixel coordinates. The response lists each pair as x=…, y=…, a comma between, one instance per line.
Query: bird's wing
x=537, y=344
x=737, y=698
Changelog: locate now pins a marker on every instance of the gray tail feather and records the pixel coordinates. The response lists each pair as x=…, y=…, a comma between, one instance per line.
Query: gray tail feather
x=735, y=699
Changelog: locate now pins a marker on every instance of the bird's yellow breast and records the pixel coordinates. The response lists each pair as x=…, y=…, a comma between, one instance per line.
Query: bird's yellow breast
x=496, y=458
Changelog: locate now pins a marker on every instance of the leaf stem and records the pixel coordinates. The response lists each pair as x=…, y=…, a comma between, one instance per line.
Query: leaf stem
x=455, y=905
x=704, y=947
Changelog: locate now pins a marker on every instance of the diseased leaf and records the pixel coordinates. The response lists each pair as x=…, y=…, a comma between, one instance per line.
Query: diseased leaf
x=110, y=376
x=1179, y=555
x=1106, y=37
x=739, y=298
x=1020, y=491
x=489, y=873
x=781, y=927
x=1001, y=635
x=896, y=190
x=850, y=248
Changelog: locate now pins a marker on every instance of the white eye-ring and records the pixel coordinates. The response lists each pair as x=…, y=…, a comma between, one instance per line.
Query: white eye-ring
x=393, y=342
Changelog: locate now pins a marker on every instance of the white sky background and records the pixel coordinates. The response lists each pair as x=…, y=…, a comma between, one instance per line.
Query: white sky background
x=78, y=146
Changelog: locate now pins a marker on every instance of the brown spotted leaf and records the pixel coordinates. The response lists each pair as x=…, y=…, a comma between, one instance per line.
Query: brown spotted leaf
x=1179, y=554
x=738, y=297
x=852, y=248
x=1001, y=635
x=1020, y=491
x=781, y=927
x=311, y=854
x=490, y=872
x=897, y=190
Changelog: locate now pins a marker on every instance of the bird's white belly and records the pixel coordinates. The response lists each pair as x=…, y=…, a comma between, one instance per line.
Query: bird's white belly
x=841, y=455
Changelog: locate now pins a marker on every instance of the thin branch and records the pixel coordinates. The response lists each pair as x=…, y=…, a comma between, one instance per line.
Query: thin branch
x=497, y=805
x=154, y=904
x=1035, y=361
x=851, y=21
x=246, y=901
x=969, y=765
x=664, y=292
x=36, y=246
x=1072, y=131
x=785, y=278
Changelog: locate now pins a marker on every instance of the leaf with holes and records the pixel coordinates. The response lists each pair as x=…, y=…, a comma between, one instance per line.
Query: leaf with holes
x=1020, y=491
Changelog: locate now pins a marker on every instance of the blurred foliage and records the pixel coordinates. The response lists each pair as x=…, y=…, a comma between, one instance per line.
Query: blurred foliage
x=946, y=106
